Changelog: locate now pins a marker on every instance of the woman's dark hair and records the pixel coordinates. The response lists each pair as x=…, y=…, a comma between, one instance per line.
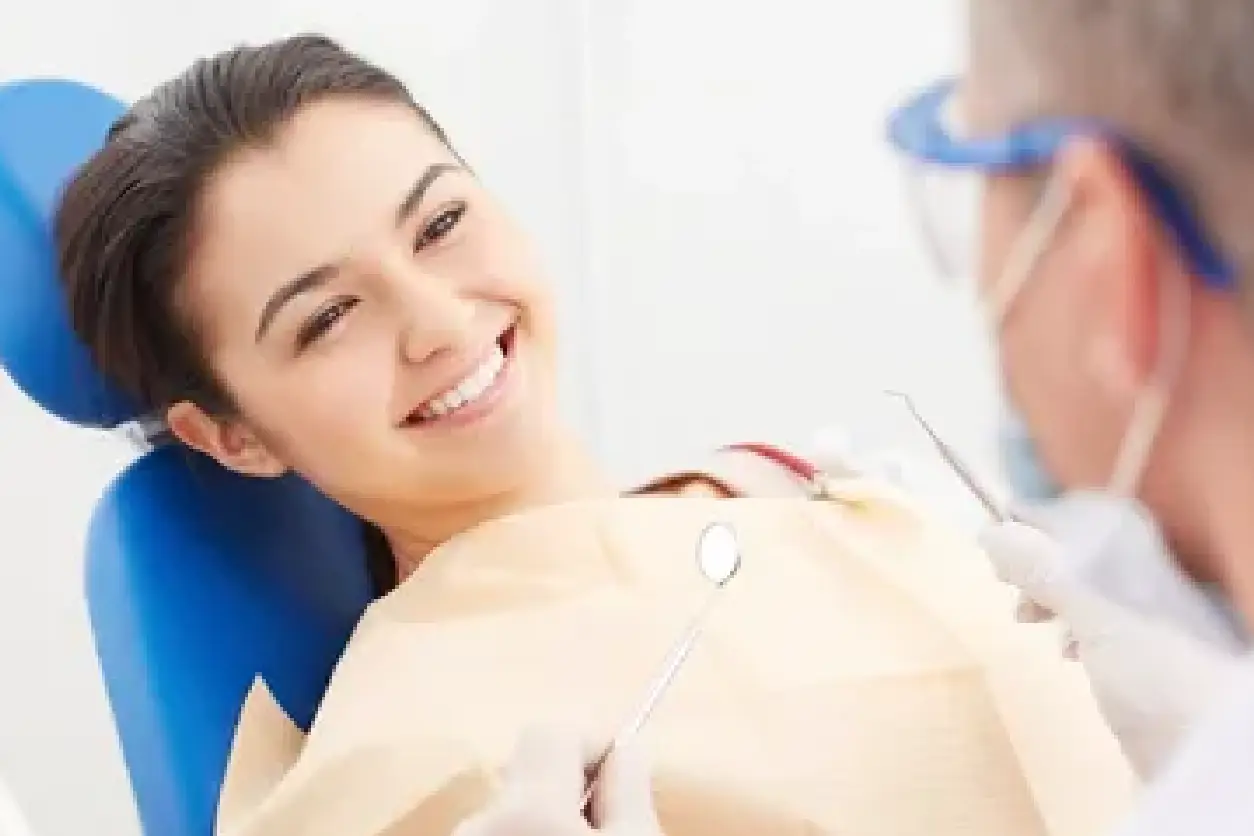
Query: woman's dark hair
x=127, y=220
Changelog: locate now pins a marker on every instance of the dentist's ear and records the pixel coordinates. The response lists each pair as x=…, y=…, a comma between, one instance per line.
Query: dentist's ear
x=230, y=442
x=1115, y=247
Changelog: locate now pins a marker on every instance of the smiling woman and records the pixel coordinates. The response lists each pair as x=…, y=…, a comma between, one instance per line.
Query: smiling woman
x=281, y=253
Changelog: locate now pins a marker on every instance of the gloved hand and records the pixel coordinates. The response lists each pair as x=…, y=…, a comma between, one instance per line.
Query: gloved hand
x=1151, y=676
x=1114, y=546
x=545, y=781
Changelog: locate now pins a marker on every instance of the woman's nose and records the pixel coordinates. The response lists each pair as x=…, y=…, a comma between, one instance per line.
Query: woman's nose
x=434, y=315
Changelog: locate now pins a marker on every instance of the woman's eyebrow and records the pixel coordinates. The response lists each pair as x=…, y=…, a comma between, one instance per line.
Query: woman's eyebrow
x=415, y=195
x=289, y=290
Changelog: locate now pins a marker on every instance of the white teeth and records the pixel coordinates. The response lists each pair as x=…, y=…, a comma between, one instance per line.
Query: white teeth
x=468, y=390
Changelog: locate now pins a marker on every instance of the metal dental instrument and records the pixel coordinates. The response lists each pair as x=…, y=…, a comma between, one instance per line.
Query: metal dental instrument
x=951, y=458
x=718, y=558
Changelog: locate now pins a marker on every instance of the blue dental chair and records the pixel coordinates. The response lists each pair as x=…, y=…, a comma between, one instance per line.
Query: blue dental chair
x=197, y=580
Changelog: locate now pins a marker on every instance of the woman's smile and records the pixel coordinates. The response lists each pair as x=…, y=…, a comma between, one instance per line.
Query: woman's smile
x=476, y=394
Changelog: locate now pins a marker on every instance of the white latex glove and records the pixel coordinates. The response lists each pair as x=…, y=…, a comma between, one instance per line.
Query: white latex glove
x=1151, y=678
x=1115, y=547
x=545, y=781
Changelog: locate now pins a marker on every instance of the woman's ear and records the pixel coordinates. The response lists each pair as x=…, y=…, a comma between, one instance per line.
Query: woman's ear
x=231, y=443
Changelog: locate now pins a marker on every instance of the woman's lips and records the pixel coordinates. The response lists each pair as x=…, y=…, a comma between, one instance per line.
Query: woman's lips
x=474, y=394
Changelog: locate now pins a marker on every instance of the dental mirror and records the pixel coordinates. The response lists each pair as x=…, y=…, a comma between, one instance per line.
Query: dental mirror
x=718, y=558
x=718, y=553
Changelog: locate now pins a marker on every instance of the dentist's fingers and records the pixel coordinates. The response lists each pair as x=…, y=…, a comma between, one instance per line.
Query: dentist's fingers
x=548, y=764
x=1032, y=562
x=623, y=801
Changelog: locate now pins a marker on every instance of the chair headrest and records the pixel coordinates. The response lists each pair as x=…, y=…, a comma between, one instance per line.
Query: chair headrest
x=47, y=129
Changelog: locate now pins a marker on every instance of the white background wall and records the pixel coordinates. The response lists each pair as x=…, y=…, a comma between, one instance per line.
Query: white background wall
x=710, y=183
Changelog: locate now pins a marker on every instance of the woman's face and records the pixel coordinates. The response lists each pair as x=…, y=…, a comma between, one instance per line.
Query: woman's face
x=378, y=320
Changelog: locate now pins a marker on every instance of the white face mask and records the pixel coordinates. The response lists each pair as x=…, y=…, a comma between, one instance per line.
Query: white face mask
x=1021, y=463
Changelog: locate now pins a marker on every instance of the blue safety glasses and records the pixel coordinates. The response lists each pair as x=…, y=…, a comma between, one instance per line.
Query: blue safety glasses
x=946, y=173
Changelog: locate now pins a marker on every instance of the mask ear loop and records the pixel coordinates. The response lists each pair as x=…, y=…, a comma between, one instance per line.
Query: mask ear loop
x=1027, y=250
x=1150, y=409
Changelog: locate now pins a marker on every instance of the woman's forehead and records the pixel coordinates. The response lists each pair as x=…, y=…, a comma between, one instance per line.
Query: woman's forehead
x=328, y=185
x=353, y=155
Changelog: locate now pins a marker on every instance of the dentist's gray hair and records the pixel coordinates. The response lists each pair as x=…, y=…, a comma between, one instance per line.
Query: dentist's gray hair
x=1176, y=76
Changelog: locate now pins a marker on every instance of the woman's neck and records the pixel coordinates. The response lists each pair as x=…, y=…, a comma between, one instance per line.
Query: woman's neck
x=568, y=474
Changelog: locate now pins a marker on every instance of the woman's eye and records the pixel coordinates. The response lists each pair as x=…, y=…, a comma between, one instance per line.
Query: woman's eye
x=323, y=321
x=440, y=226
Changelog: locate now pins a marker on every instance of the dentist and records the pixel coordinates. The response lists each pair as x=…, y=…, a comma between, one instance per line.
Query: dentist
x=1107, y=149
